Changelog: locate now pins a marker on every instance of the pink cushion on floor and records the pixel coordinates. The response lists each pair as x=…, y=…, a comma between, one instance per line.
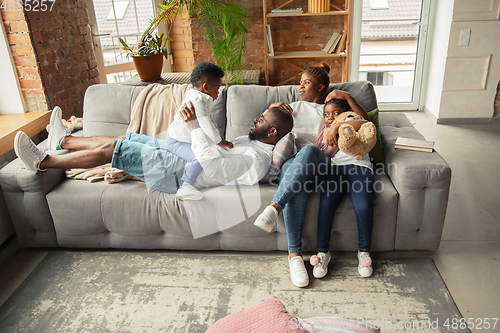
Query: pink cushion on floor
x=268, y=316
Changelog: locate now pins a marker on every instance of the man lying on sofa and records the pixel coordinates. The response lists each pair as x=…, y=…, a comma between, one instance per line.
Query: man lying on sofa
x=148, y=158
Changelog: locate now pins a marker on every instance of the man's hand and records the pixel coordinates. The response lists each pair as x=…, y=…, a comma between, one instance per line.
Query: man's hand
x=189, y=116
x=225, y=144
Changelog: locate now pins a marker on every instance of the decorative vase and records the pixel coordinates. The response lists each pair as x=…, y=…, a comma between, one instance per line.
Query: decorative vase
x=318, y=6
x=148, y=69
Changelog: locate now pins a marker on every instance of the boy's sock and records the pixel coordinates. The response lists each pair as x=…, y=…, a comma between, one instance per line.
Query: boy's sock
x=188, y=192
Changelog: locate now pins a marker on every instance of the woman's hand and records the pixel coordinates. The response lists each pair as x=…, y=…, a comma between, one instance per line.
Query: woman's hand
x=337, y=94
x=282, y=105
x=354, y=105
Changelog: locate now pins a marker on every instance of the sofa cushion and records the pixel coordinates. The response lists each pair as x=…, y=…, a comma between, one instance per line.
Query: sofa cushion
x=100, y=117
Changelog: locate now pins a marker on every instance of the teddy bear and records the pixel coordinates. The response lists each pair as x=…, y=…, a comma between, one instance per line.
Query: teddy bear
x=352, y=142
x=72, y=124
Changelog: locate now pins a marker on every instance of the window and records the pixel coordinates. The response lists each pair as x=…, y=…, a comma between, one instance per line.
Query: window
x=120, y=7
x=378, y=78
x=379, y=4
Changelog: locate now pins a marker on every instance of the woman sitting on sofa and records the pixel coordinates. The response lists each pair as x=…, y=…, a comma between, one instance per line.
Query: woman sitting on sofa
x=308, y=167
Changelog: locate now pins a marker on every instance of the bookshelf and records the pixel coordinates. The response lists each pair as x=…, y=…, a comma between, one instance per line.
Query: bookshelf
x=344, y=57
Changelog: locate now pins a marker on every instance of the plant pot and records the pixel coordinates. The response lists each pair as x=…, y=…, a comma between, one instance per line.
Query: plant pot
x=148, y=69
x=318, y=6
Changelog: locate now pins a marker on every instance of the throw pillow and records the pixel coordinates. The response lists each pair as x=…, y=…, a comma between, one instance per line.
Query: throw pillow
x=281, y=152
x=377, y=153
x=268, y=316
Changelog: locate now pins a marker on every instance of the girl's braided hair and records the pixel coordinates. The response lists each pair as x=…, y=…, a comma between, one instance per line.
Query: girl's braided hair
x=320, y=73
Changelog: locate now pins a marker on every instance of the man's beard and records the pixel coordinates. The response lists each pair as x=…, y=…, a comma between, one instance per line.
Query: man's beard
x=257, y=135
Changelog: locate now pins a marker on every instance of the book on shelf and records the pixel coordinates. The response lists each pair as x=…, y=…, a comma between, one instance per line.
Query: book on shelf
x=331, y=41
x=334, y=45
x=414, y=144
x=287, y=11
x=269, y=40
x=341, y=46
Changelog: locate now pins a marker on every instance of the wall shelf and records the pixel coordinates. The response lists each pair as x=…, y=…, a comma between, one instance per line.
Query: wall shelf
x=306, y=54
x=342, y=13
x=337, y=12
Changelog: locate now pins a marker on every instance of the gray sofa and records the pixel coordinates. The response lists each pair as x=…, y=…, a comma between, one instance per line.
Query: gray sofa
x=49, y=210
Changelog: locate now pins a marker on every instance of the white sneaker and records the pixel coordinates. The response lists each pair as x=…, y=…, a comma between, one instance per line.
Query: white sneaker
x=298, y=271
x=28, y=152
x=188, y=192
x=57, y=131
x=267, y=219
x=365, y=268
x=321, y=268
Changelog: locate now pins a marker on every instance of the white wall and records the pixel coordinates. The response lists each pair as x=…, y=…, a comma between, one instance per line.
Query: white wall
x=11, y=100
x=437, y=49
x=461, y=81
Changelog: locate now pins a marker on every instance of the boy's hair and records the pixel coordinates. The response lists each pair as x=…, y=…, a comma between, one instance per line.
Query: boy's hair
x=205, y=72
x=344, y=105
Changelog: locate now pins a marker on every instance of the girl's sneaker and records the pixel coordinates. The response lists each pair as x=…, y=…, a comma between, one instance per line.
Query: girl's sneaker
x=267, y=219
x=365, y=268
x=321, y=265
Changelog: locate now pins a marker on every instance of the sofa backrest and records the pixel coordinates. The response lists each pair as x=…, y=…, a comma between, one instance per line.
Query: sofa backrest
x=245, y=103
x=107, y=107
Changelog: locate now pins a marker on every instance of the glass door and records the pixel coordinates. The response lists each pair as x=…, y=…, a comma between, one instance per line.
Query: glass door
x=388, y=49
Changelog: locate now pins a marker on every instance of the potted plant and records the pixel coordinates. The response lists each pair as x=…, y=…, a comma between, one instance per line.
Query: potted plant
x=148, y=55
x=225, y=25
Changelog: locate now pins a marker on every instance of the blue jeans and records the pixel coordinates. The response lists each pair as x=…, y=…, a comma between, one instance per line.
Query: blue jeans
x=358, y=182
x=298, y=178
x=184, y=151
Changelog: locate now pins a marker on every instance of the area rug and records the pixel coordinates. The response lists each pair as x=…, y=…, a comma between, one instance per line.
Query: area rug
x=135, y=291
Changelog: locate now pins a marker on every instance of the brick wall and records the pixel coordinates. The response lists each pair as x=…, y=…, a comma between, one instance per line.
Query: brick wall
x=289, y=34
x=28, y=71
x=54, y=55
x=63, y=45
x=182, y=43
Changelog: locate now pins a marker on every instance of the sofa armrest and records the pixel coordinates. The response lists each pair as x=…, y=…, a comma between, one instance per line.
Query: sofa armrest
x=422, y=181
x=24, y=193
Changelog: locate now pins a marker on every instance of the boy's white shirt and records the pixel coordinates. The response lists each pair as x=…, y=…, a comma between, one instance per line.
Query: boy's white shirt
x=202, y=103
x=247, y=162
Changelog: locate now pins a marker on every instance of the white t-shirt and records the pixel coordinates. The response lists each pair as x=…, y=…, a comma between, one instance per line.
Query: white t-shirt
x=202, y=103
x=247, y=162
x=341, y=158
x=307, y=120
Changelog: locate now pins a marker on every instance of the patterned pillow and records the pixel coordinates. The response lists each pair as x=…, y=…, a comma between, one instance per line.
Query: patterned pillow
x=281, y=152
x=268, y=316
